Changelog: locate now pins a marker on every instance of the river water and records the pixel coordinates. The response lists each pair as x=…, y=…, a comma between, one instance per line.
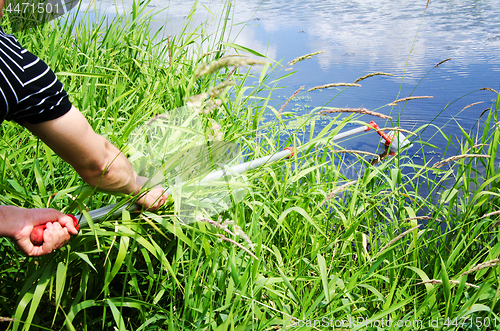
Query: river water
x=365, y=36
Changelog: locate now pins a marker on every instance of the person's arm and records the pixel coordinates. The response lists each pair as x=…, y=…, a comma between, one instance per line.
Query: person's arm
x=96, y=160
x=18, y=223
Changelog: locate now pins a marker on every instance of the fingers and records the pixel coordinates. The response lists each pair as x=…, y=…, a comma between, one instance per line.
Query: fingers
x=161, y=199
x=60, y=234
x=55, y=233
x=41, y=216
x=55, y=236
x=67, y=222
x=153, y=199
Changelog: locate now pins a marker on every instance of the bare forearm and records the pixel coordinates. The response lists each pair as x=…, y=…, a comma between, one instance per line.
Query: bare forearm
x=95, y=159
x=8, y=224
x=117, y=176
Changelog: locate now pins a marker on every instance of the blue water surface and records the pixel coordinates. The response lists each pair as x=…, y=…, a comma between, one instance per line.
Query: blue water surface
x=404, y=38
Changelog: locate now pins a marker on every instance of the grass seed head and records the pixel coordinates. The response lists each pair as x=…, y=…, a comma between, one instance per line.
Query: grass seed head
x=210, y=68
x=237, y=231
x=488, y=89
x=289, y=99
x=389, y=244
x=196, y=101
x=493, y=213
x=484, y=265
x=458, y=157
x=354, y=110
x=440, y=63
x=223, y=237
x=410, y=98
x=304, y=57
x=338, y=190
x=320, y=87
x=472, y=104
x=216, y=91
x=371, y=75
x=439, y=282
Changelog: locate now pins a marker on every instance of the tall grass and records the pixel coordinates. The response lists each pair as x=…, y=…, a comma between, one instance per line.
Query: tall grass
x=374, y=251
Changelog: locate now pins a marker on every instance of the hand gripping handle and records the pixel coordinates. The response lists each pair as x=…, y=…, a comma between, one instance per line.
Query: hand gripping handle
x=36, y=236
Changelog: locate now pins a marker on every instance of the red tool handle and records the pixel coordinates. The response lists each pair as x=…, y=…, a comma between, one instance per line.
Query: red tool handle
x=292, y=151
x=36, y=236
x=387, y=139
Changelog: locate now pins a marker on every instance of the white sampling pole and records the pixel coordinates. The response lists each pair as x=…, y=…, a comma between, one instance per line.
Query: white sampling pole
x=112, y=210
x=99, y=214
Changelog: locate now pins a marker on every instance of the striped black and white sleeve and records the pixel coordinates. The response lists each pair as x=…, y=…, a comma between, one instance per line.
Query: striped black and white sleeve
x=29, y=90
